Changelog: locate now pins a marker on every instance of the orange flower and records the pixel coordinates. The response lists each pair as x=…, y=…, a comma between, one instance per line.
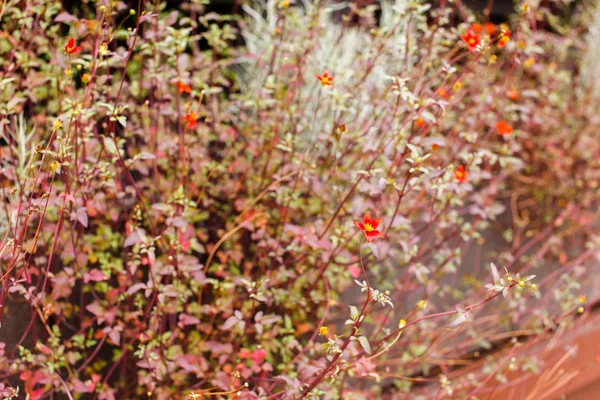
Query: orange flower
x=326, y=79
x=504, y=128
x=191, y=119
x=420, y=123
x=183, y=87
x=504, y=37
x=70, y=47
x=471, y=38
x=529, y=62
x=476, y=27
x=342, y=128
x=461, y=174
x=369, y=227
x=435, y=147
x=490, y=28
x=513, y=94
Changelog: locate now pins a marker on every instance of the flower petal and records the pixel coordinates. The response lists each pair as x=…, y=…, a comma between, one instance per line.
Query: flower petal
x=374, y=234
x=376, y=222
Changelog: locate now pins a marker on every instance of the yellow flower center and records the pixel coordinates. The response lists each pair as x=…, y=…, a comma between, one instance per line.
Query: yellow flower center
x=369, y=228
x=471, y=41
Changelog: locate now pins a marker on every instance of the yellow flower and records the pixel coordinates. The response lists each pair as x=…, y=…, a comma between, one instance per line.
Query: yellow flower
x=85, y=78
x=285, y=4
x=55, y=166
x=78, y=109
x=580, y=310
x=583, y=299
x=525, y=7
x=529, y=62
x=56, y=125
x=103, y=50
x=457, y=86
x=68, y=72
x=402, y=323
x=422, y=304
x=323, y=331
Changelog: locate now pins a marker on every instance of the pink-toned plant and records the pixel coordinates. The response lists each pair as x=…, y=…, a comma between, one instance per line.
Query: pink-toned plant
x=180, y=209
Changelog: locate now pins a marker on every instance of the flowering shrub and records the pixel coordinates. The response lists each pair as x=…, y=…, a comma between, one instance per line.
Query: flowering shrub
x=186, y=216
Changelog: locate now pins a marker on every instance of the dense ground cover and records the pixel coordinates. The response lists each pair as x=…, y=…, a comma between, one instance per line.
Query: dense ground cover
x=308, y=200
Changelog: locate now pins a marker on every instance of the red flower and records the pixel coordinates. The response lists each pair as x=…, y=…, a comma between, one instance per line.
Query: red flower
x=183, y=87
x=369, y=227
x=420, y=123
x=513, y=94
x=471, y=38
x=326, y=79
x=70, y=47
x=490, y=28
x=460, y=174
x=190, y=118
x=504, y=128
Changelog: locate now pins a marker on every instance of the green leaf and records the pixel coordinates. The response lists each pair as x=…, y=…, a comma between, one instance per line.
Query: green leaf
x=364, y=342
x=354, y=312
